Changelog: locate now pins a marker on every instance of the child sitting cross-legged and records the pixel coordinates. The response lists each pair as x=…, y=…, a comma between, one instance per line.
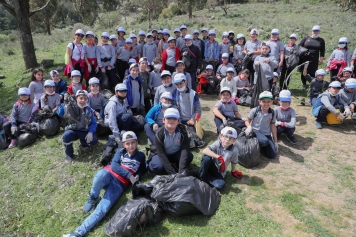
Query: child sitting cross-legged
x=285, y=116
x=217, y=158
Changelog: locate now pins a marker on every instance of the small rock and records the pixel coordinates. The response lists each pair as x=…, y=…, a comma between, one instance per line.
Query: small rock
x=212, y=17
x=60, y=68
x=2, y=77
x=47, y=63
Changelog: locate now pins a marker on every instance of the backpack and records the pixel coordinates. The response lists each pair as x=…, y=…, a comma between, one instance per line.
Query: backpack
x=66, y=55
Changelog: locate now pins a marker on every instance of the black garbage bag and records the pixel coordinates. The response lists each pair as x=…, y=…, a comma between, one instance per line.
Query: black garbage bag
x=246, y=60
x=102, y=130
x=275, y=93
x=292, y=60
x=104, y=82
x=245, y=99
x=26, y=139
x=187, y=189
x=179, y=208
x=257, y=88
x=195, y=141
x=3, y=141
x=139, y=119
x=49, y=126
x=135, y=215
x=248, y=150
x=44, y=113
x=231, y=123
x=72, y=112
x=141, y=190
x=106, y=93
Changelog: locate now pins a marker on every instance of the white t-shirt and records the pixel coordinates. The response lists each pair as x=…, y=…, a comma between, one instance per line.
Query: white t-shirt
x=77, y=52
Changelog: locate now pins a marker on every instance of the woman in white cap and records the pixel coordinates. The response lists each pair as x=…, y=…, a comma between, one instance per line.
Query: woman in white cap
x=339, y=59
x=23, y=111
x=90, y=57
x=81, y=125
x=252, y=47
x=75, y=55
x=316, y=46
x=289, y=49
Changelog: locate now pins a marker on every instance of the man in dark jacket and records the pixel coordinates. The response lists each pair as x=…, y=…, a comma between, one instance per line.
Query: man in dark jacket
x=191, y=57
x=172, y=144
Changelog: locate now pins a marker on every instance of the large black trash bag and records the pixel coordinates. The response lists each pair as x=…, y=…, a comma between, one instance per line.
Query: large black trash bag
x=292, y=60
x=248, y=150
x=107, y=94
x=26, y=139
x=139, y=119
x=49, y=126
x=195, y=141
x=231, y=123
x=258, y=88
x=44, y=113
x=141, y=190
x=104, y=81
x=102, y=130
x=72, y=112
x=3, y=141
x=178, y=188
x=134, y=215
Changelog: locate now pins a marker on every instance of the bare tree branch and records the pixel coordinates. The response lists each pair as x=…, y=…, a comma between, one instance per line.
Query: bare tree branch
x=8, y=7
x=39, y=9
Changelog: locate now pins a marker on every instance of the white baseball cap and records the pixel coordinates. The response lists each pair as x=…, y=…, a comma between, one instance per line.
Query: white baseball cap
x=75, y=73
x=132, y=60
x=239, y=36
x=94, y=81
x=225, y=33
x=105, y=34
x=89, y=32
x=225, y=88
x=165, y=73
x=275, y=31
x=179, y=77
x=266, y=94
x=254, y=32
x=204, y=29
x=133, y=36
x=196, y=32
x=293, y=36
x=120, y=87
x=121, y=29
x=225, y=55
x=275, y=74
x=53, y=73
x=285, y=95
x=171, y=113
x=49, y=83
x=316, y=27
x=209, y=67
x=179, y=61
x=320, y=72
x=183, y=27
x=212, y=32
x=142, y=33
x=343, y=40
x=166, y=32
x=128, y=136
x=81, y=92
x=188, y=37
x=112, y=37
x=230, y=69
x=350, y=83
x=23, y=91
x=128, y=41
x=167, y=95
x=80, y=31
x=347, y=69
x=176, y=30
x=229, y=131
x=170, y=39
x=335, y=84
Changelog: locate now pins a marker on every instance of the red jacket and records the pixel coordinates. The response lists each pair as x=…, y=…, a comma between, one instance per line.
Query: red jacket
x=70, y=88
x=165, y=55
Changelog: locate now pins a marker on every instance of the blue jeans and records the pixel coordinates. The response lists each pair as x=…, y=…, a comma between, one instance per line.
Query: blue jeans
x=266, y=144
x=149, y=132
x=312, y=100
x=72, y=135
x=114, y=188
x=155, y=166
x=210, y=174
x=125, y=122
x=288, y=131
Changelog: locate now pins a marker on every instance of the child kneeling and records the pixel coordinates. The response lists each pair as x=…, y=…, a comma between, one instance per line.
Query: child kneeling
x=217, y=158
x=128, y=165
x=285, y=116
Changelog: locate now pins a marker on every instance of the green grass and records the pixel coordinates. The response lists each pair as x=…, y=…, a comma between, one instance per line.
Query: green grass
x=42, y=196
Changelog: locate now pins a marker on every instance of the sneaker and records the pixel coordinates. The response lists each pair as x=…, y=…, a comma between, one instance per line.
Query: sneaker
x=292, y=140
x=318, y=125
x=304, y=88
x=91, y=203
x=149, y=142
x=13, y=143
x=69, y=159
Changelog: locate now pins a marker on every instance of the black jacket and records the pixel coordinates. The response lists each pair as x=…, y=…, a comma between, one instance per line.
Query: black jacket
x=195, y=57
x=161, y=152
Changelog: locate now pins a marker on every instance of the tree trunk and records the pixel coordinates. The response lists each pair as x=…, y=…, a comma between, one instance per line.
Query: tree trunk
x=48, y=26
x=149, y=18
x=22, y=14
x=190, y=9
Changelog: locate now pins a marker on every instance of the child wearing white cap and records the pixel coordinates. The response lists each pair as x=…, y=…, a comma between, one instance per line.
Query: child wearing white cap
x=170, y=55
x=123, y=55
x=180, y=68
x=289, y=49
x=285, y=116
x=198, y=42
x=345, y=74
x=75, y=54
x=141, y=42
x=135, y=48
x=166, y=85
x=277, y=48
x=224, y=46
x=50, y=99
x=61, y=85
x=121, y=37
x=135, y=96
x=81, y=127
x=212, y=50
x=180, y=41
x=23, y=111
x=90, y=56
x=172, y=144
x=155, y=77
x=252, y=47
x=145, y=75
x=317, y=85
x=329, y=106
x=127, y=166
x=267, y=63
x=229, y=82
x=226, y=109
x=238, y=54
x=217, y=157
x=106, y=59
x=154, y=117
x=163, y=43
x=150, y=50
x=96, y=99
x=348, y=93
x=75, y=85
x=262, y=121
x=222, y=69
x=339, y=59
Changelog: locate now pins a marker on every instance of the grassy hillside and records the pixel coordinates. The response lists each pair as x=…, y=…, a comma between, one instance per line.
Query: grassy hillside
x=308, y=190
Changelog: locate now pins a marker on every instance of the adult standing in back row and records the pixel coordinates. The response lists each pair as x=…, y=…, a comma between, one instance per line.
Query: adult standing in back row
x=191, y=57
x=316, y=47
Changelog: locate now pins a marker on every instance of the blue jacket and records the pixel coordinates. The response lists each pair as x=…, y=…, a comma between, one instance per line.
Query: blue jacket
x=127, y=81
x=61, y=87
x=215, y=52
x=153, y=113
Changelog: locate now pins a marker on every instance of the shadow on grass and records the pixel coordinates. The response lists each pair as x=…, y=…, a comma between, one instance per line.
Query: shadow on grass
x=346, y=127
x=301, y=120
x=303, y=142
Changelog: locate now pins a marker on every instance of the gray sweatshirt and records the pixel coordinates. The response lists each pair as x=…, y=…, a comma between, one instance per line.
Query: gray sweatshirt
x=329, y=100
x=113, y=108
x=267, y=68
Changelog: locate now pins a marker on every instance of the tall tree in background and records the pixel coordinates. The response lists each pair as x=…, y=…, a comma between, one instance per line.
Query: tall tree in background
x=191, y=5
x=20, y=9
x=47, y=18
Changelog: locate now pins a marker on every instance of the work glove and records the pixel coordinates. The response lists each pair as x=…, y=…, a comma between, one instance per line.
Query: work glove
x=197, y=117
x=133, y=179
x=185, y=53
x=276, y=146
x=347, y=112
x=99, y=119
x=155, y=127
x=118, y=142
x=103, y=69
x=89, y=137
x=278, y=123
x=13, y=130
x=248, y=130
x=237, y=174
x=341, y=117
x=224, y=121
x=222, y=168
